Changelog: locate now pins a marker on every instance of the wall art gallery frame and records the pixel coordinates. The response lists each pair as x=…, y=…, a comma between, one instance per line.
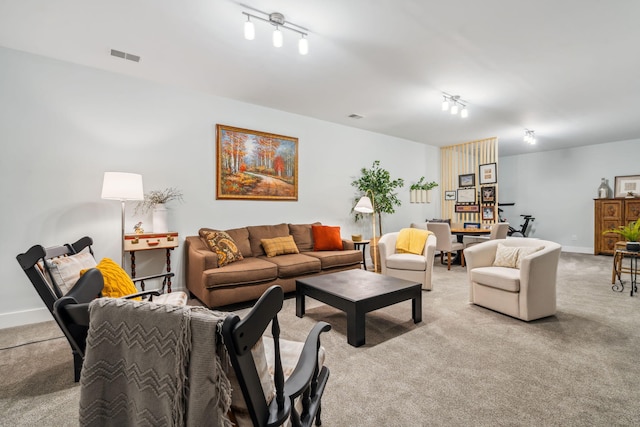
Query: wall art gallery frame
x=466, y=180
x=467, y=208
x=488, y=213
x=450, y=195
x=466, y=195
x=254, y=165
x=626, y=184
x=488, y=194
x=487, y=173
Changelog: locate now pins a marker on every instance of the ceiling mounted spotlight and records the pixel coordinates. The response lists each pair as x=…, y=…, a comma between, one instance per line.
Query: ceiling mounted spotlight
x=278, y=21
x=529, y=136
x=454, y=105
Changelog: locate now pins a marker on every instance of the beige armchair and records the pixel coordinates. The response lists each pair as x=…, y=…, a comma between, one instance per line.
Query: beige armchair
x=527, y=289
x=412, y=267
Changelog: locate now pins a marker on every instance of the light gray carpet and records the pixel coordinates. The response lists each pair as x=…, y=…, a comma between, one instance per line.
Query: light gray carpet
x=463, y=365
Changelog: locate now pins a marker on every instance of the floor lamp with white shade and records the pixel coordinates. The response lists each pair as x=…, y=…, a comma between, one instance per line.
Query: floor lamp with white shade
x=367, y=205
x=122, y=186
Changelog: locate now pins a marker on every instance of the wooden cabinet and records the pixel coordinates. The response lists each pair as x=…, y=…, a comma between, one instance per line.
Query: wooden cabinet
x=612, y=213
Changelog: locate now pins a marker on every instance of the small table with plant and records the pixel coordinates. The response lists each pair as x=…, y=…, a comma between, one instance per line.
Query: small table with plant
x=628, y=249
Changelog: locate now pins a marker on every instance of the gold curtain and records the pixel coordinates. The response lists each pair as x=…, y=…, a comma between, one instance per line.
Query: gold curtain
x=462, y=159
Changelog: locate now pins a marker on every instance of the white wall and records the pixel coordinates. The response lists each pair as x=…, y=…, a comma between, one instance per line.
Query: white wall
x=558, y=188
x=62, y=126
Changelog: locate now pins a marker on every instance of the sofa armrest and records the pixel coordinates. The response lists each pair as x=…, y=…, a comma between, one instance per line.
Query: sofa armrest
x=348, y=244
x=199, y=259
x=480, y=255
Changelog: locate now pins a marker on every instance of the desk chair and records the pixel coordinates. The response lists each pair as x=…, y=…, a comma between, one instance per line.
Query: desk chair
x=499, y=230
x=445, y=243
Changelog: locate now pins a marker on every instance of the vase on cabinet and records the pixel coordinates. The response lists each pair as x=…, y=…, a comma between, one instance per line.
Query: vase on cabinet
x=160, y=215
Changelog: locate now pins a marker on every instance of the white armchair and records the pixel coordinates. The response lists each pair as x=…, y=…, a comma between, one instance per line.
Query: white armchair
x=406, y=266
x=527, y=290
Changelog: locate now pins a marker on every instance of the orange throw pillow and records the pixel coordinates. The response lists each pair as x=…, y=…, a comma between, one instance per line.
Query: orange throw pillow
x=326, y=238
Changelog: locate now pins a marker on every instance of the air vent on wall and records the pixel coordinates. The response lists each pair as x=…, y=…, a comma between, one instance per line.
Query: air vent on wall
x=125, y=55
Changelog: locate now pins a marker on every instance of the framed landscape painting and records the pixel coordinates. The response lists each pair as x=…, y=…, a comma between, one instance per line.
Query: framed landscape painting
x=255, y=165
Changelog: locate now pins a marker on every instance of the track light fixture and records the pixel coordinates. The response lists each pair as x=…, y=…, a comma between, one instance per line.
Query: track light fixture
x=529, y=136
x=454, y=105
x=277, y=20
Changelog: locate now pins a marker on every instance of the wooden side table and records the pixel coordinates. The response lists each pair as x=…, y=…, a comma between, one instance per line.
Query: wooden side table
x=633, y=256
x=362, y=244
x=151, y=241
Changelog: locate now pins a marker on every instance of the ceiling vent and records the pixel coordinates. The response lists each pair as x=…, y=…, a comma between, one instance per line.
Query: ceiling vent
x=125, y=55
x=355, y=116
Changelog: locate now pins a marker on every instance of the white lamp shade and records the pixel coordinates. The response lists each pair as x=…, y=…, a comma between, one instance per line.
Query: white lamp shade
x=249, y=30
x=122, y=186
x=454, y=109
x=277, y=38
x=464, y=113
x=303, y=46
x=364, y=205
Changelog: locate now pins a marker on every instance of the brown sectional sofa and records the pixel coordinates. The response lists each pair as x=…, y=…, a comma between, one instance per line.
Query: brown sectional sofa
x=247, y=279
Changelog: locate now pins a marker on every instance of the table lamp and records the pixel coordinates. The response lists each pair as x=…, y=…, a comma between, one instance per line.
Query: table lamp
x=367, y=205
x=122, y=186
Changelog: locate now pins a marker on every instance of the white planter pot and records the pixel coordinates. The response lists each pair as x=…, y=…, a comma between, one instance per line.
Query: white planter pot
x=160, y=224
x=428, y=196
x=413, y=196
x=423, y=196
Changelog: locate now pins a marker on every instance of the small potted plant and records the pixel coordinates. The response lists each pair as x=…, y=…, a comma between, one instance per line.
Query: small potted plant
x=630, y=232
x=156, y=201
x=420, y=191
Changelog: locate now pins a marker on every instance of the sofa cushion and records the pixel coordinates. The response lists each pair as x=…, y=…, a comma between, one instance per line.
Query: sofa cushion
x=407, y=262
x=249, y=270
x=222, y=244
x=295, y=265
x=511, y=256
x=303, y=235
x=279, y=246
x=332, y=259
x=259, y=232
x=326, y=238
x=505, y=278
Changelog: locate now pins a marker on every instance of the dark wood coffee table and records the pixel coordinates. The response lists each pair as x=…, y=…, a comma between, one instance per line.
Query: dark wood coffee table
x=357, y=292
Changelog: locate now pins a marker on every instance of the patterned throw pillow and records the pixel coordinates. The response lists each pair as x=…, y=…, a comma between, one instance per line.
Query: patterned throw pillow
x=279, y=246
x=512, y=256
x=506, y=256
x=117, y=282
x=222, y=244
x=66, y=269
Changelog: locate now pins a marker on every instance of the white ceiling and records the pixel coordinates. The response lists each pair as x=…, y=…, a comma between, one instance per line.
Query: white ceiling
x=569, y=69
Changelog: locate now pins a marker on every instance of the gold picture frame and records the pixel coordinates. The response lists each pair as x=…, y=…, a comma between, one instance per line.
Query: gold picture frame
x=254, y=165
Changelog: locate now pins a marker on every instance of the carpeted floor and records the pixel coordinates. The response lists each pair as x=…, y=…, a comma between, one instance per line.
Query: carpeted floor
x=463, y=365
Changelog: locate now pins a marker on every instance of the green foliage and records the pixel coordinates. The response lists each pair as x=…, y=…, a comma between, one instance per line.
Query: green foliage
x=422, y=185
x=379, y=182
x=630, y=232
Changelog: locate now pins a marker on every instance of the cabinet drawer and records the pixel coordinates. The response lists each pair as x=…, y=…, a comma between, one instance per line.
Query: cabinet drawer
x=141, y=242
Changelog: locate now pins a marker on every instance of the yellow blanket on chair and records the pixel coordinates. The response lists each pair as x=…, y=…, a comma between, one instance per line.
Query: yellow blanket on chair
x=412, y=240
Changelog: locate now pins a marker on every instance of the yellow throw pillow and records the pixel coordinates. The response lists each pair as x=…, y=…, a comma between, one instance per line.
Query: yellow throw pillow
x=117, y=282
x=279, y=246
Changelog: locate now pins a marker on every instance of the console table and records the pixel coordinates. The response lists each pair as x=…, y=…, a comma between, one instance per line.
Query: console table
x=151, y=241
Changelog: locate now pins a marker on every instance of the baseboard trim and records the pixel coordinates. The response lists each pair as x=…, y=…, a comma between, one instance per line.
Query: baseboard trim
x=25, y=317
x=577, y=249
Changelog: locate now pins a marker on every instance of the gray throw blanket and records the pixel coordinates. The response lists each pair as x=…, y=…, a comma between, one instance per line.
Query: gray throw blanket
x=148, y=364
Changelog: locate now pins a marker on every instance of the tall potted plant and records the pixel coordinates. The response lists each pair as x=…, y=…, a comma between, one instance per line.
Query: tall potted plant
x=377, y=183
